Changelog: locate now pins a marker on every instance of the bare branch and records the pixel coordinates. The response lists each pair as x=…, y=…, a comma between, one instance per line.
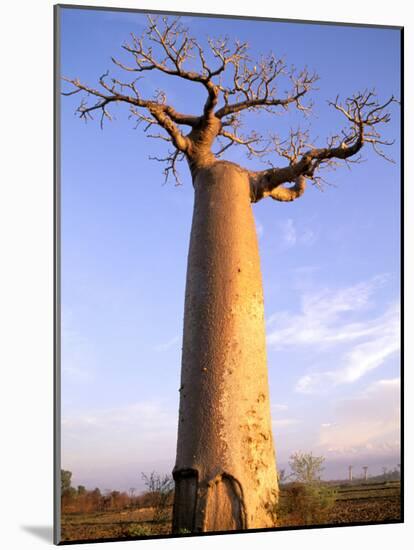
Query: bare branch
x=227, y=74
x=254, y=87
x=165, y=46
x=175, y=47
x=165, y=115
x=252, y=143
x=171, y=161
x=364, y=113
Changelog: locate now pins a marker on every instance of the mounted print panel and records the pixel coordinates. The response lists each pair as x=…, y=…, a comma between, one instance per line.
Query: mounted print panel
x=228, y=230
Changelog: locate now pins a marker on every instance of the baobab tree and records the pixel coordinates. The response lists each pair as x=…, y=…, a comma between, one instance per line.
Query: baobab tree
x=225, y=472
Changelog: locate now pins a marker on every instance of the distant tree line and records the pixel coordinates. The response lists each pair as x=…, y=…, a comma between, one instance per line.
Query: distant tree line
x=158, y=495
x=387, y=475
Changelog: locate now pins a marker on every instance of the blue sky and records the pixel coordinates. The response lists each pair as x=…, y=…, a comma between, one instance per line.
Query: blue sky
x=330, y=264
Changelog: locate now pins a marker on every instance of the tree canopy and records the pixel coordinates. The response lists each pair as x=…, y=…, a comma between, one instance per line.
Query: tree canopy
x=234, y=84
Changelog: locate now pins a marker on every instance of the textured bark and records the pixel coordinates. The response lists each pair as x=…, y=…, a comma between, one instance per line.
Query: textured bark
x=225, y=469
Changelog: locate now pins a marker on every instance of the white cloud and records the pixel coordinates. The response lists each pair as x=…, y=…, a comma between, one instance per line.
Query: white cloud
x=259, y=228
x=361, y=430
x=281, y=422
x=372, y=343
x=169, y=344
x=77, y=356
x=367, y=425
x=291, y=235
x=110, y=447
x=370, y=354
x=338, y=320
x=319, y=321
x=288, y=232
x=146, y=416
x=308, y=236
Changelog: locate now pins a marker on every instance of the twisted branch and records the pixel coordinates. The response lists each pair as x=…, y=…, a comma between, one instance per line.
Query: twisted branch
x=364, y=113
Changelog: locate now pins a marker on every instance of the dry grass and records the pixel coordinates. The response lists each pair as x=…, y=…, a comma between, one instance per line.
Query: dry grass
x=108, y=525
x=356, y=503
x=353, y=504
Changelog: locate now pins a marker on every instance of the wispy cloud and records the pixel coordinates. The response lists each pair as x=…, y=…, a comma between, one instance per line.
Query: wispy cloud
x=291, y=235
x=259, y=228
x=145, y=416
x=169, y=344
x=110, y=447
x=77, y=357
x=340, y=320
x=278, y=418
x=365, y=425
x=371, y=345
x=368, y=355
x=320, y=317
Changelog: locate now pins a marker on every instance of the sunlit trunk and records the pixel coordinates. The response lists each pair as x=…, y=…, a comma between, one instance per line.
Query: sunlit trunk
x=225, y=471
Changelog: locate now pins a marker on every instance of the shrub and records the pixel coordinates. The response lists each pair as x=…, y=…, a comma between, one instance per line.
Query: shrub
x=307, y=500
x=305, y=504
x=160, y=494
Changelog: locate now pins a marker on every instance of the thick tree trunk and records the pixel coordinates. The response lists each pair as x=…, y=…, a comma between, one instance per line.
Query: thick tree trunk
x=225, y=472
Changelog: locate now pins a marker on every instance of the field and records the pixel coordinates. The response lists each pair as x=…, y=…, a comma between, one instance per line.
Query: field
x=108, y=525
x=367, y=502
x=354, y=503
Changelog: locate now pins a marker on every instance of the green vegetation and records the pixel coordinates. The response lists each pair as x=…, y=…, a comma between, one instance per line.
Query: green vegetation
x=306, y=504
x=138, y=530
x=65, y=481
x=306, y=500
x=184, y=531
x=305, y=467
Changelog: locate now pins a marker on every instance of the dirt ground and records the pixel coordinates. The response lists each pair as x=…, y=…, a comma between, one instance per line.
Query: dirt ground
x=356, y=504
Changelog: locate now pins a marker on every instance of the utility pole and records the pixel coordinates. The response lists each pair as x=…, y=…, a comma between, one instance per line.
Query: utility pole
x=131, y=496
x=350, y=473
x=365, y=468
